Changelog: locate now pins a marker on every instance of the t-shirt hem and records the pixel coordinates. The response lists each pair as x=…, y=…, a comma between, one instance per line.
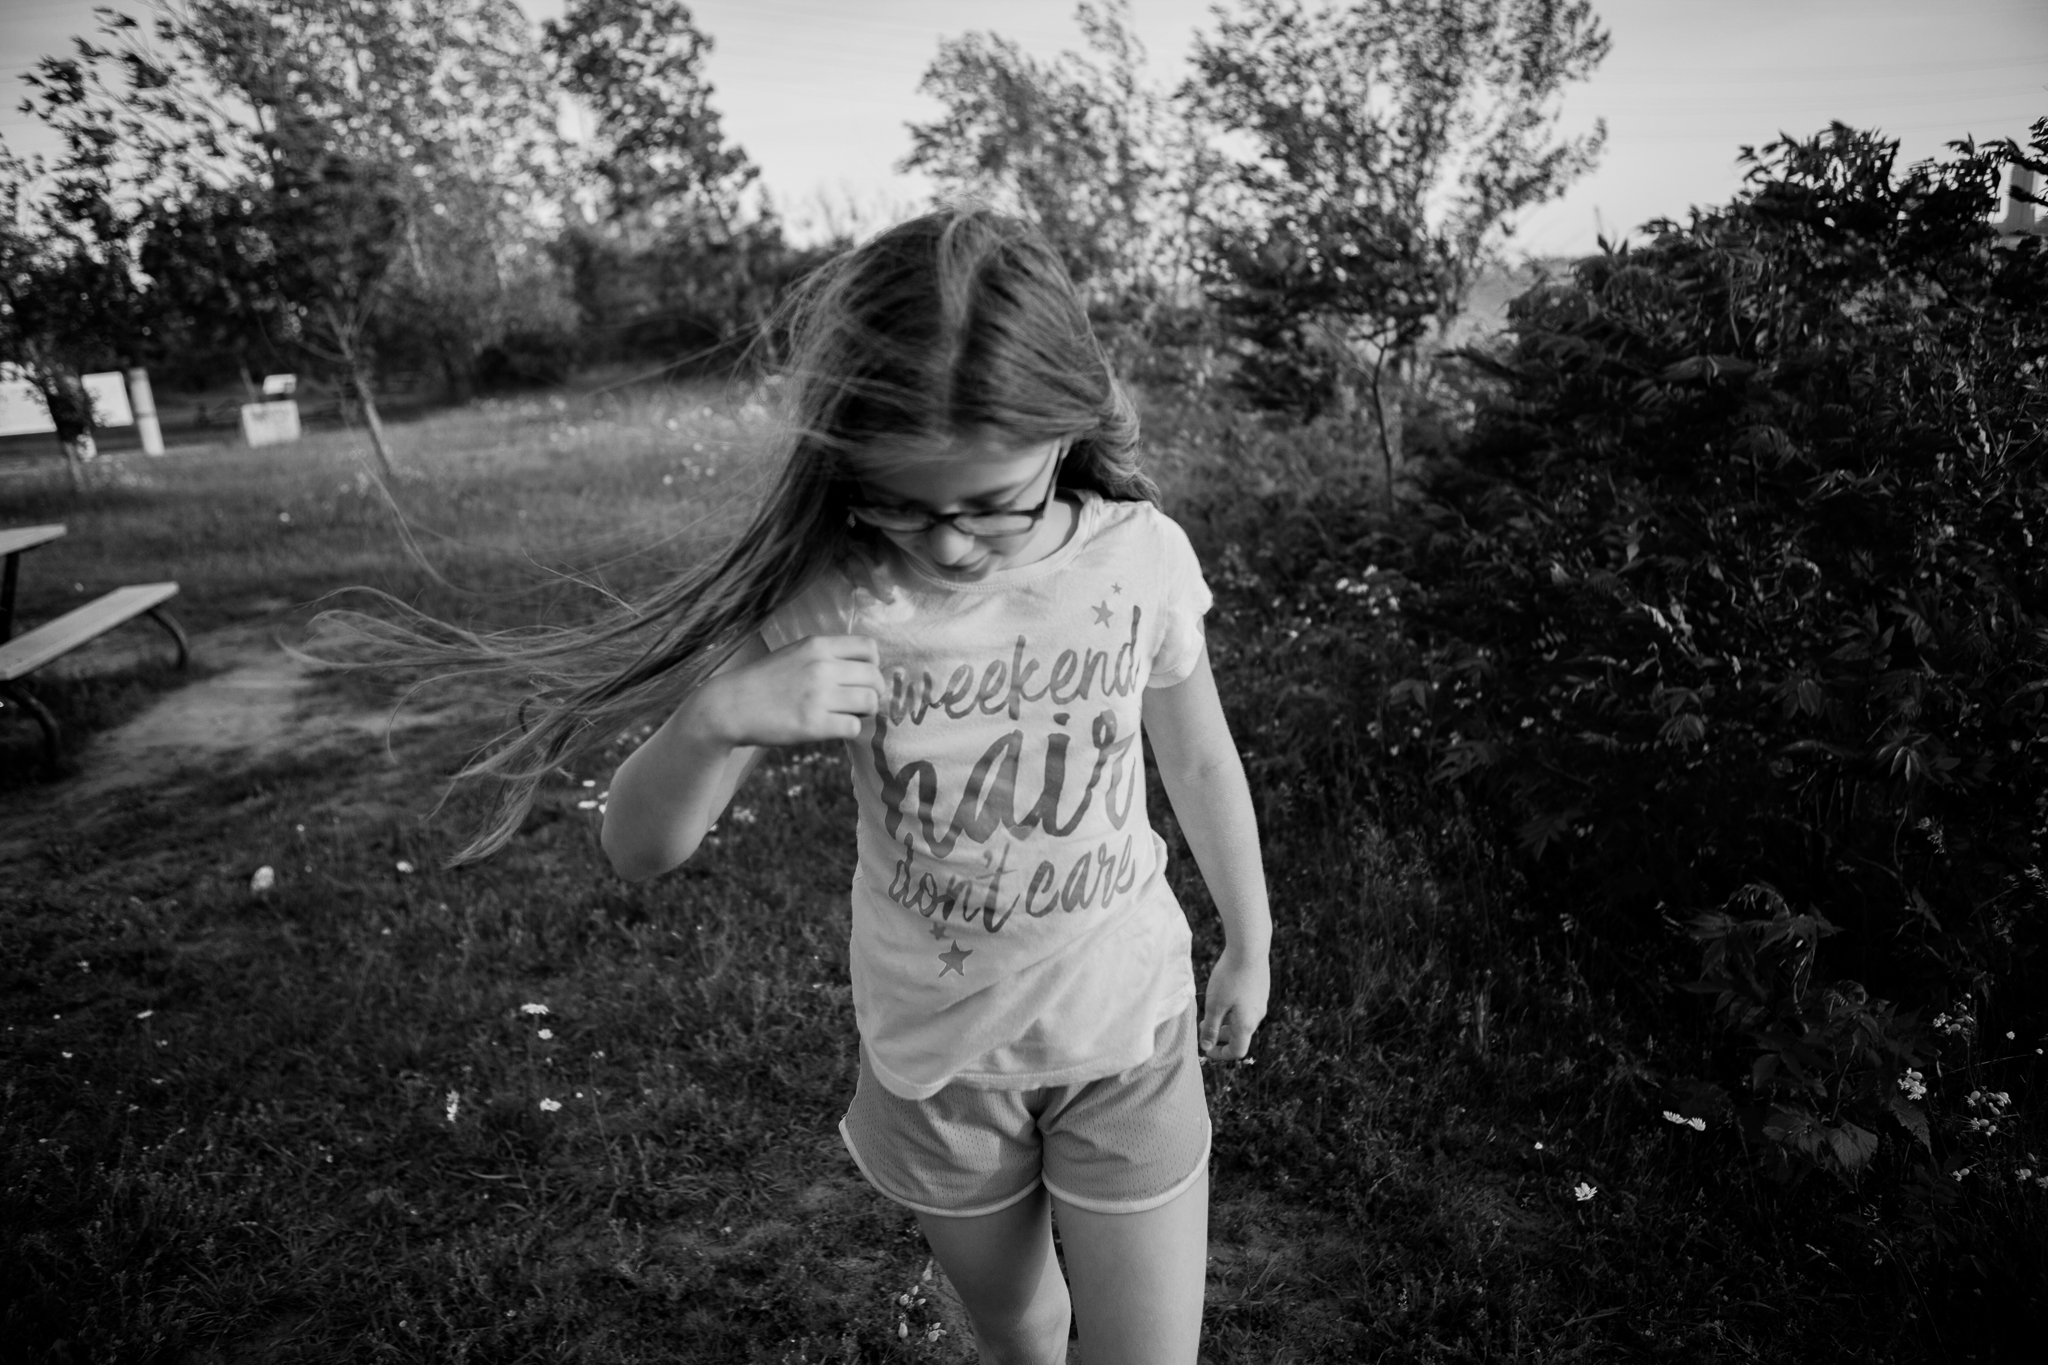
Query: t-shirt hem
x=1080, y=1073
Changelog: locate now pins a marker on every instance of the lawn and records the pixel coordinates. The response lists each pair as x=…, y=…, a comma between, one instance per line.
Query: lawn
x=384, y=1110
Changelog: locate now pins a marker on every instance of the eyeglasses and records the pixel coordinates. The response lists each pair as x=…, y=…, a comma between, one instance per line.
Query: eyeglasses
x=1004, y=521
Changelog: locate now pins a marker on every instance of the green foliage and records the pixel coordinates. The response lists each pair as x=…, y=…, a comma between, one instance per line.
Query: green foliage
x=1081, y=145
x=1392, y=141
x=659, y=150
x=1736, y=610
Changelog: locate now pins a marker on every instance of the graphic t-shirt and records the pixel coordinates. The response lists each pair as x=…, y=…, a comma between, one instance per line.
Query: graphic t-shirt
x=1012, y=926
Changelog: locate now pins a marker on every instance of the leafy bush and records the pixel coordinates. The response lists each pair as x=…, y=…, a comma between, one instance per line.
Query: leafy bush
x=1734, y=615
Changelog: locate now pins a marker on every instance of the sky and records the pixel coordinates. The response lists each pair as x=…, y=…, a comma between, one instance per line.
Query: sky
x=819, y=91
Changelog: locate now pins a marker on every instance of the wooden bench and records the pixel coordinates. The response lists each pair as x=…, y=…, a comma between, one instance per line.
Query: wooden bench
x=24, y=654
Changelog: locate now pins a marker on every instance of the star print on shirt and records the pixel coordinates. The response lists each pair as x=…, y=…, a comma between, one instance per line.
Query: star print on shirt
x=939, y=930
x=1116, y=589
x=1102, y=613
x=953, y=957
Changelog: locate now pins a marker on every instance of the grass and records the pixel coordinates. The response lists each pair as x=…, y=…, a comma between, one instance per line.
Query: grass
x=307, y=1124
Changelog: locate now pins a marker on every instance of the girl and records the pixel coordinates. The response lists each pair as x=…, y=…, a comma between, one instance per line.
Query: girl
x=961, y=575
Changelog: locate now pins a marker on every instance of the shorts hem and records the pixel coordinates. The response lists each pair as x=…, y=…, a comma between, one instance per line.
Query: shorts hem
x=868, y=1174
x=1179, y=1187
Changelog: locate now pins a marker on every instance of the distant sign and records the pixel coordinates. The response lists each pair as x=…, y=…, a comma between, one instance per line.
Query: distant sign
x=22, y=410
x=280, y=385
x=272, y=423
x=109, y=395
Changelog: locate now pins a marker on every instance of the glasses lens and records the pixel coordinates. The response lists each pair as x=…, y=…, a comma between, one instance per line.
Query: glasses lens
x=893, y=518
x=996, y=523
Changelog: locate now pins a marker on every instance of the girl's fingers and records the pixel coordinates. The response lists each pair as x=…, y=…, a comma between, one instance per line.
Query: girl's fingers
x=860, y=647
x=857, y=700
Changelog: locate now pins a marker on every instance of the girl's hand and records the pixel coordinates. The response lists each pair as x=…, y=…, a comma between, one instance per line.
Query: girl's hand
x=817, y=688
x=1235, y=1005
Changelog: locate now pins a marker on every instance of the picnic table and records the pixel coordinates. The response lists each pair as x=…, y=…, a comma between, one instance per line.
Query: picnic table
x=22, y=656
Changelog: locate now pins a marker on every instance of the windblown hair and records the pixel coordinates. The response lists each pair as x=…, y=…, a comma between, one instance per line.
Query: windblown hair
x=957, y=323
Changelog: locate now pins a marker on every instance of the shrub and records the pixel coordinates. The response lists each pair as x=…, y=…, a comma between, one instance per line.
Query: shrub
x=1733, y=616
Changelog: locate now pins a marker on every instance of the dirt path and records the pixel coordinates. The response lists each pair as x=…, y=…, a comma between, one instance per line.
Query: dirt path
x=256, y=707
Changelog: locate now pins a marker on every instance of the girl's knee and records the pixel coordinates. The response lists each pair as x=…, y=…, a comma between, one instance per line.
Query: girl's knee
x=1034, y=1333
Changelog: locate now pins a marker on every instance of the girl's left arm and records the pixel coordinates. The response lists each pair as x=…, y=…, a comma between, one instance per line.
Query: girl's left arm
x=1205, y=781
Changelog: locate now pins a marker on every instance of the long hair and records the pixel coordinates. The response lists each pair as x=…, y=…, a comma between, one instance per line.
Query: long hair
x=958, y=322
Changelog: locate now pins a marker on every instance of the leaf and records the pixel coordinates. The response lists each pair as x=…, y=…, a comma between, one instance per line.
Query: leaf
x=1706, y=367
x=1541, y=831
x=1910, y=1117
x=1852, y=1146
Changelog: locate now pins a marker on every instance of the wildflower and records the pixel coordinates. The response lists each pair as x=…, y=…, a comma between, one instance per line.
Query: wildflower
x=533, y=1009
x=140, y=1014
x=586, y=805
x=742, y=815
x=454, y=1104
x=265, y=878
x=1914, y=1084
x=1539, y=1146
x=590, y=782
x=83, y=965
x=1583, y=1192
x=1696, y=1124
x=550, y=1106
x=404, y=866
x=796, y=791
x=546, y=1034
x=2023, y=1174
x=67, y=1056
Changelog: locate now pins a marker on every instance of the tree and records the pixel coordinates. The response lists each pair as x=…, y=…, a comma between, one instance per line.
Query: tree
x=1081, y=145
x=659, y=152
x=674, y=257
x=67, y=295
x=378, y=165
x=1391, y=143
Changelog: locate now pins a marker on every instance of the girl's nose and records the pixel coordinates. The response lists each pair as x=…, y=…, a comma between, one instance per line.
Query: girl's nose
x=948, y=544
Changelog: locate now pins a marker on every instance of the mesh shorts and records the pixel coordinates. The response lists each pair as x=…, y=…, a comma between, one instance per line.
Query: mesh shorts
x=1121, y=1144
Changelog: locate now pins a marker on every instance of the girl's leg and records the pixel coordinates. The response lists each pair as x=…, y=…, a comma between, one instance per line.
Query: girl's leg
x=1008, y=1278
x=1138, y=1278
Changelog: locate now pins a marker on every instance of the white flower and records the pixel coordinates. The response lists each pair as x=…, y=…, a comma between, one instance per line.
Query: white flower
x=546, y=1034
x=404, y=866
x=1583, y=1192
x=1914, y=1084
x=67, y=1056
x=265, y=878
x=742, y=815
x=586, y=805
x=550, y=1106
x=454, y=1104
x=144, y=1014
x=1697, y=1125
x=533, y=1009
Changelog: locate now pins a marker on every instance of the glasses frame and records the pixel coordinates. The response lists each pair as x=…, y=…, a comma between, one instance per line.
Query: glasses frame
x=865, y=513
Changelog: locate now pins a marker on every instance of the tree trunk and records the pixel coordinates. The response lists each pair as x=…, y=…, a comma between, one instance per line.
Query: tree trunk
x=373, y=421
x=1386, y=416
x=359, y=375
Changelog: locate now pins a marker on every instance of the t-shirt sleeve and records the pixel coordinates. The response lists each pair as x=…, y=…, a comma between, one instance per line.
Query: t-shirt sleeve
x=820, y=609
x=1184, y=601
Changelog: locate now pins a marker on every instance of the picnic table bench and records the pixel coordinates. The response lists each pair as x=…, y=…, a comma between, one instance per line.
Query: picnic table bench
x=23, y=655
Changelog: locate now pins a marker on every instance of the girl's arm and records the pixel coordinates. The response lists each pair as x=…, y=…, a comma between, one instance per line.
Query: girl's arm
x=1205, y=781
x=673, y=788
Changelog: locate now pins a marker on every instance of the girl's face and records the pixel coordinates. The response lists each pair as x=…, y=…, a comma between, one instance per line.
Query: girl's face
x=979, y=474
